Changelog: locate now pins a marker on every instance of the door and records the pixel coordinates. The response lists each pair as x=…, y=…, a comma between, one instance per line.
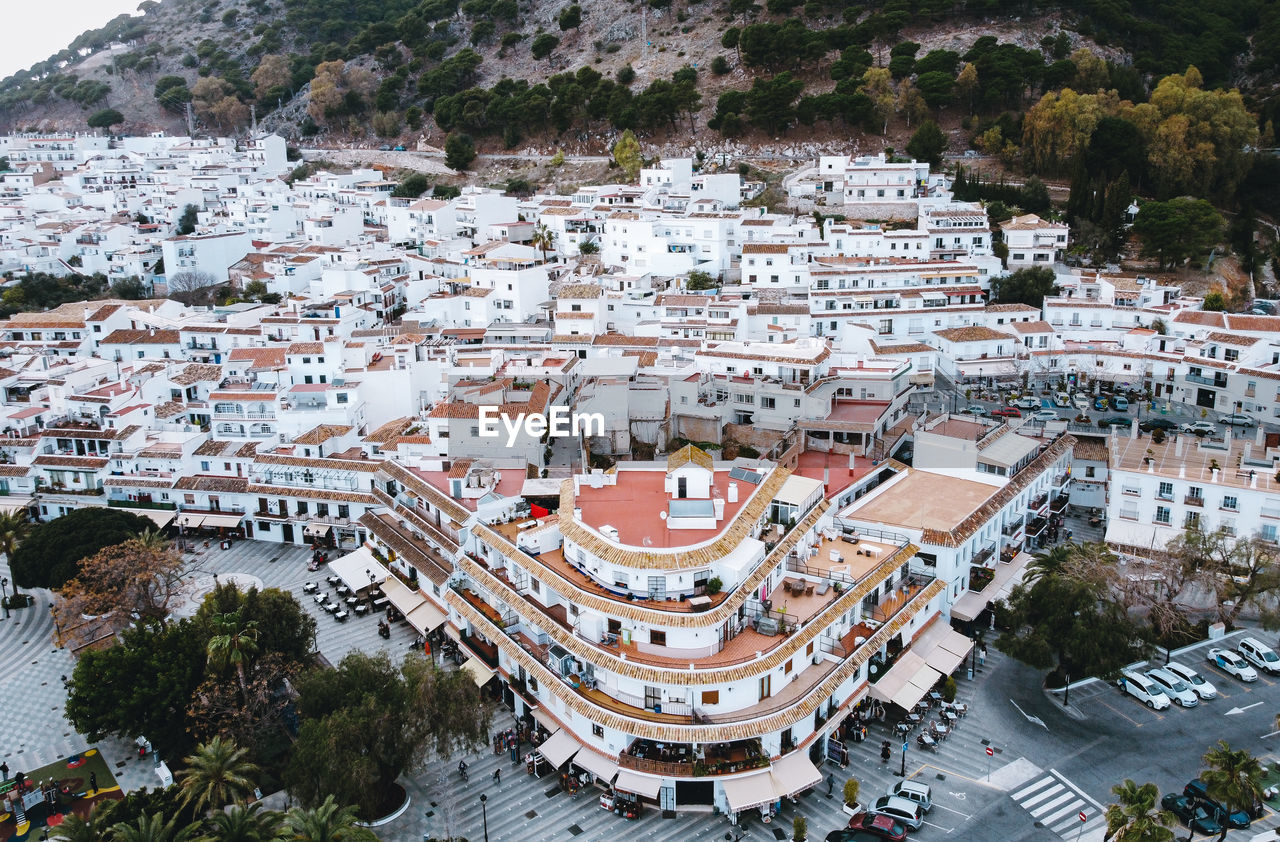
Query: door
x=657, y=587
x=682, y=487
x=1206, y=398
x=287, y=530
x=667, y=798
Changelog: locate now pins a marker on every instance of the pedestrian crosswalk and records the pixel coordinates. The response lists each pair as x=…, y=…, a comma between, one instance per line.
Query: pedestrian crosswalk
x=1058, y=805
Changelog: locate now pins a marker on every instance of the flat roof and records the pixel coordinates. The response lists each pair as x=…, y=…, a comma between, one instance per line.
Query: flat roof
x=923, y=500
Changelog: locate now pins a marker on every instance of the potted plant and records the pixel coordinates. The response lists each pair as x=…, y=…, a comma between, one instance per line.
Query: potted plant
x=799, y=829
x=851, y=805
x=1213, y=465
x=714, y=585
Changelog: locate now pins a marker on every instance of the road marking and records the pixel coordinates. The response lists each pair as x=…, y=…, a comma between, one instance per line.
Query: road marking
x=966, y=816
x=938, y=826
x=1272, y=734
x=953, y=774
x=1237, y=710
x=1135, y=722
x=1037, y=720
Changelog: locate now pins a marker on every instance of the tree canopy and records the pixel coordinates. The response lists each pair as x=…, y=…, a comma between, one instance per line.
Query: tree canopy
x=1178, y=229
x=51, y=554
x=1025, y=286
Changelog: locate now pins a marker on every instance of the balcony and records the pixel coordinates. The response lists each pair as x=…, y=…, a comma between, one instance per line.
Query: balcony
x=1012, y=529
x=1059, y=503
x=1037, y=503
x=980, y=557
x=1218, y=381
x=1192, y=500
x=1037, y=525
x=1061, y=479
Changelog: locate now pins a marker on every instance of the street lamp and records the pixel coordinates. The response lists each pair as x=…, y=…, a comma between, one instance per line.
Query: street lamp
x=903, y=773
x=4, y=591
x=484, y=814
x=1066, y=692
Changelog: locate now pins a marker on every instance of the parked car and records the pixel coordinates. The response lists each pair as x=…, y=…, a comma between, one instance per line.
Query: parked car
x=879, y=826
x=1174, y=687
x=1100, y=403
x=1120, y=403
x=899, y=809
x=1113, y=421
x=1198, y=428
x=398, y=149
x=1228, y=818
x=1259, y=654
x=1027, y=402
x=1144, y=690
x=1237, y=419
x=846, y=835
x=975, y=409
x=1045, y=415
x=1232, y=664
x=914, y=791
x=1061, y=399
x=1080, y=401
x=384, y=148
x=1006, y=412
x=1191, y=813
x=1194, y=680
x=1153, y=424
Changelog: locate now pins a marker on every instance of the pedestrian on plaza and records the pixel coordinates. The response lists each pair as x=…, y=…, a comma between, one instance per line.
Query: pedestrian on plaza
x=1068, y=536
x=4, y=769
x=93, y=781
x=831, y=784
x=982, y=656
x=497, y=776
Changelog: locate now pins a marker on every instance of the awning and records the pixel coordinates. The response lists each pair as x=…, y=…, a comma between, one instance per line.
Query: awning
x=452, y=633
x=544, y=718
x=559, y=748
x=1138, y=538
x=629, y=781
x=906, y=682
x=425, y=618
x=746, y=792
x=601, y=767
x=1007, y=576
x=400, y=595
x=794, y=773
x=190, y=521
x=316, y=529
x=222, y=521
x=8, y=506
x=942, y=647
x=480, y=672
x=355, y=568
x=160, y=517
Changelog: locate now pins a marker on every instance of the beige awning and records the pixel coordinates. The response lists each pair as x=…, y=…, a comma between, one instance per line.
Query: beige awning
x=160, y=517
x=942, y=647
x=906, y=682
x=480, y=672
x=190, y=521
x=559, y=748
x=358, y=569
x=8, y=505
x=747, y=791
x=1006, y=576
x=794, y=773
x=404, y=598
x=222, y=521
x=636, y=784
x=425, y=618
x=544, y=718
x=316, y=529
x=601, y=767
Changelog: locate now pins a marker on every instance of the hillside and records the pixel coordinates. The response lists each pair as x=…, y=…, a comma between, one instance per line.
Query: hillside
x=1052, y=89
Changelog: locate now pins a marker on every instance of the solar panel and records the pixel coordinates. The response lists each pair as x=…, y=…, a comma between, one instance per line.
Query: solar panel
x=746, y=475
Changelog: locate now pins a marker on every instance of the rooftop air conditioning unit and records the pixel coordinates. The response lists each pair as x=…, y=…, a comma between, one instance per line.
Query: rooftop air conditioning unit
x=609, y=532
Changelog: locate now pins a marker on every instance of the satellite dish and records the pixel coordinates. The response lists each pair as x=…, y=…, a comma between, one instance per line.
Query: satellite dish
x=662, y=515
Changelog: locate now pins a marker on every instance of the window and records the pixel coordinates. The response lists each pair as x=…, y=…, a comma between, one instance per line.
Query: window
x=1089, y=471
x=764, y=687
x=1268, y=533
x=597, y=730
x=1162, y=514
x=1192, y=521
x=767, y=403
x=302, y=507
x=787, y=667
x=710, y=697
x=342, y=397
x=1229, y=503
x=1165, y=491
x=657, y=638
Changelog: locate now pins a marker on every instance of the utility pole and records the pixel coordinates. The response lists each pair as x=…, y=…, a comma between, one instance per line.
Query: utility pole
x=191, y=123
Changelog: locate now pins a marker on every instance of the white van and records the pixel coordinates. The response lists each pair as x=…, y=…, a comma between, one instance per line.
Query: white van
x=1081, y=401
x=1144, y=690
x=1062, y=400
x=914, y=791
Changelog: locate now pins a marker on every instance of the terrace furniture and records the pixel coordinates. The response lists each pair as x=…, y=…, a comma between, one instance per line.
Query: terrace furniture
x=321, y=598
x=310, y=587
x=331, y=607
x=341, y=616
x=823, y=587
x=361, y=609
x=808, y=589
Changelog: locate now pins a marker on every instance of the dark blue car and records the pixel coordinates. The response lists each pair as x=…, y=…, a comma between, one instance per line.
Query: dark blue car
x=1227, y=818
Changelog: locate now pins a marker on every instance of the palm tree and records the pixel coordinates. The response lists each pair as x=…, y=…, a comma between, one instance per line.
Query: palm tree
x=217, y=774
x=329, y=822
x=232, y=643
x=1134, y=818
x=1233, y=777
x=76, y=829
x=13, y=528
x=244, y=824
x=1050, y=563
x=152, y=829
x=152, y=539
x=543, y=238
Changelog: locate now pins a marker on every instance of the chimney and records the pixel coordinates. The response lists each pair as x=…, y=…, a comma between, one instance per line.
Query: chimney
x=1260, y=438
x=853, y=458
x=733, y=492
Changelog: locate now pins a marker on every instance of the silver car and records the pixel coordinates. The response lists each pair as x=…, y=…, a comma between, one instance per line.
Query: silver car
x=1174, y=688
x=1194, y=680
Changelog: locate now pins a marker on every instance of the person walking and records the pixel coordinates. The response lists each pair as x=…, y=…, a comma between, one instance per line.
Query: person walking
x=831, y=784
x=4, y=769
x=497, y=776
